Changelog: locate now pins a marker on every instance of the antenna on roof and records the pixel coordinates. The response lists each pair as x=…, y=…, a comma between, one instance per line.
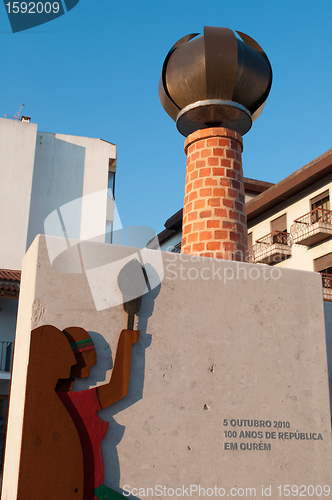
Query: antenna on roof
x=18, y=115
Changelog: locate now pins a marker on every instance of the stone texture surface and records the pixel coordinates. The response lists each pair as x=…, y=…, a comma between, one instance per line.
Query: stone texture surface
x=221, y=342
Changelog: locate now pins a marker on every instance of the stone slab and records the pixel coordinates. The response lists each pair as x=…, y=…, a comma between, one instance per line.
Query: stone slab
x=229, y=386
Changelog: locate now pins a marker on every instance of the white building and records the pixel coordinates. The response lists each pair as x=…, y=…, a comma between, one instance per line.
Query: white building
x=42, y=173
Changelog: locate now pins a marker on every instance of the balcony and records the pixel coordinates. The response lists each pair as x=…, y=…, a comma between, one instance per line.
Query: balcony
x=327, y=286
x=313, y=227
x=272, y=248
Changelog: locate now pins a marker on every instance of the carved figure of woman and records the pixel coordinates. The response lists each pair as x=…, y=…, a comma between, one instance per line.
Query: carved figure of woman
x=61, y=455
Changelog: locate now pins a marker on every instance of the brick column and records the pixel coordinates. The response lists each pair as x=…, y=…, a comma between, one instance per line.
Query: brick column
x=214, y=219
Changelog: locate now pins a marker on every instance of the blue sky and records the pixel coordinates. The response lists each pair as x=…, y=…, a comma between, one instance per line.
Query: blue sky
x=95, y=71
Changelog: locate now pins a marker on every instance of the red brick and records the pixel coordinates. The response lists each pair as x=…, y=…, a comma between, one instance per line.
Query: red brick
x=205, y=235
x=205, y=192
x=194, y=156
x=221, y=235
x=191, y=149
x=192, y=216
x=211, y=182
x=187, y=208
x=187, y=229
x=218, y=192
x=230, y=153
x=205, y=153
x=200, y=163
x=200, y=144
x=237, y=166
x=207, y=254
x=239, y=206
x=218, y=171
x=230, y=173
x=244, y=239
x=186, y=199
x=228, y=245
x=236, y=146
x=236, y=185
x=228, y=203
x=224, y=142
x=212, y=142
x=204, y=172
x=232, y=193
x=226, y=163
x=213, y=224
x=183, y=242
x=189, y=187
x=243, y=219
x=199, y=204
x=192, y=237
x=199, y=226
x=218, y=152
x=194, y=175
x=205, y=213
x=234, y=236
x=198, y=247
x=214, y=202
x=233, y=215
x=225, y=182
x=220, y=212
x=213, y=162
x=193, y=196
x=186, y=249
x=213, y=245
x=226, y=224
x=198, y=183
x=190, y=168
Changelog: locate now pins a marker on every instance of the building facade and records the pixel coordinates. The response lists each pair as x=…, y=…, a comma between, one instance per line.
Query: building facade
x=289, y=223
x=45, y=172
x=54, y=184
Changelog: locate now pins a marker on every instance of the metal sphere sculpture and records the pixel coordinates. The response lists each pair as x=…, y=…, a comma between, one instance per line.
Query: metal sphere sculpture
x=215, y=80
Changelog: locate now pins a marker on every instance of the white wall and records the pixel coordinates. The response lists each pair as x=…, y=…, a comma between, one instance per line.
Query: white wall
x=42, y=172
x=17, y=153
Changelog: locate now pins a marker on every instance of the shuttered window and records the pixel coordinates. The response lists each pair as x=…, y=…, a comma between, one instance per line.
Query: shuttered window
x=279, y=224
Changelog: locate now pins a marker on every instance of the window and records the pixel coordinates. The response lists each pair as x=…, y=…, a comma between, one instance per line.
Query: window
x=319, y=206
x=280, y=225
x=111, y=185
x=250, y=242
x=323, y=264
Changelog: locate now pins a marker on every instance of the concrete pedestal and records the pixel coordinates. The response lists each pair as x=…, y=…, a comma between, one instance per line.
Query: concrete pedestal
x=228, y=393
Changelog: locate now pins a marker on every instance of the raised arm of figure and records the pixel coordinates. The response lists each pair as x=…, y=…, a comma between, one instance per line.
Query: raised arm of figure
x=117, y=387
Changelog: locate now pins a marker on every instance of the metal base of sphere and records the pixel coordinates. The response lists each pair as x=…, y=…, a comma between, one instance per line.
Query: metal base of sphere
x=213, y=113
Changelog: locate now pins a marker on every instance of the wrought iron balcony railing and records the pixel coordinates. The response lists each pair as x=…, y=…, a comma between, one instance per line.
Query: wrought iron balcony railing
x=317, y=215
x=327, y=280
x=273, y=247
x=280, y=237
x=313, y=227
x=327, y=286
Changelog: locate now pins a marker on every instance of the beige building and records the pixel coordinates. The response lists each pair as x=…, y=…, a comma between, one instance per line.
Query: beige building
x=289, y=223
